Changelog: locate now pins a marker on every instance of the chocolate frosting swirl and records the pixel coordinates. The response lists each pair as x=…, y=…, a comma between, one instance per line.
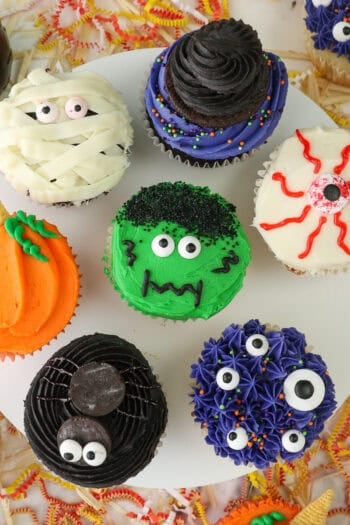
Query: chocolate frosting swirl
x=218, y=72
x=135, y=426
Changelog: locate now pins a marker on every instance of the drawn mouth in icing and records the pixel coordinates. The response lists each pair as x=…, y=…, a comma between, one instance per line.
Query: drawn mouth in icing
x=147, y=284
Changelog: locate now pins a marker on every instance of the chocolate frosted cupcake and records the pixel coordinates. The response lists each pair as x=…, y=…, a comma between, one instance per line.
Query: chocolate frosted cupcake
x=95, y=412
x=260, y=395
x=215, y=95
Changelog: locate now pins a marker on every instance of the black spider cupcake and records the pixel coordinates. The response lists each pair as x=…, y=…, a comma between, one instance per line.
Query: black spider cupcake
x=95, y=412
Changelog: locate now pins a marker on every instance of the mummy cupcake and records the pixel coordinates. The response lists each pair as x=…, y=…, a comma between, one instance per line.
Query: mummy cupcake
x=64, y=137
x=215, y=95
x=302, y=204
x=39, y=283
x=95, y=412
x=177, y=251
x=328, y=42
x=260, y=395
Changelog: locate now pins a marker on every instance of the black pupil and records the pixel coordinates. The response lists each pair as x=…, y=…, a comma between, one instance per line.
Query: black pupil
x=90, y=455
x=77, y=108
x=257, y=343
x=304, y=389
x=232, y=436
x=227, y=377
x=331, y=192
x=163, y=243
x=46, y=109
x=346, y=30
x=68, y=456
x=190, y=247
x=293, y=438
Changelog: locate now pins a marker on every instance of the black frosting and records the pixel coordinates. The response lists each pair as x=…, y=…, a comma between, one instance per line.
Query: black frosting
x=194, y=208
x=135, y=426
x=5, y=58
x=218, y=71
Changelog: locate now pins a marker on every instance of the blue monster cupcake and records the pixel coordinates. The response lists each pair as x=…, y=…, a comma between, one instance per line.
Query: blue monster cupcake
x=328, y=24
x=260, y=395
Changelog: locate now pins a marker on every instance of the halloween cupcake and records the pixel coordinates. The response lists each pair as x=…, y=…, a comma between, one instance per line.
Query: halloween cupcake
x=302, y=201
x=95, y=412
x=328, y=38
x=5, y=59
x=215, y=95
x=64, y=137
x=39, y=283
x=177, y=251
x=260, y=395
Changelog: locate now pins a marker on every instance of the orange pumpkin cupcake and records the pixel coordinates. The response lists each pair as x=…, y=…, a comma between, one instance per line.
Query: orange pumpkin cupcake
x=260, y=512
x=39, y=283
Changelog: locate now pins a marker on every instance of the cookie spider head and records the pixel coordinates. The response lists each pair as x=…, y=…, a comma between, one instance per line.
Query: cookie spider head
x=64, y=136
x=329, y=21
x=260, y=395
x=177, y=251
x=95, y=412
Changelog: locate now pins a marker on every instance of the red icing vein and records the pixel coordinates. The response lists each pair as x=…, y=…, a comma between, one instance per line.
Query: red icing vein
x=342, y=233
x=312, y=236
x=345, y=155
x=288, y=220
x=306, y=151
x=282, y=179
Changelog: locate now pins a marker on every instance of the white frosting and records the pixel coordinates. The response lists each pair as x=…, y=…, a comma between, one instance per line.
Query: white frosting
x=288, y=242
x=39, y=158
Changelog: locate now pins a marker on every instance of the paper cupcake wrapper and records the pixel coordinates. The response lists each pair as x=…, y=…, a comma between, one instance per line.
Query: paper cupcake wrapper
x=334, y=68
x=300, y=270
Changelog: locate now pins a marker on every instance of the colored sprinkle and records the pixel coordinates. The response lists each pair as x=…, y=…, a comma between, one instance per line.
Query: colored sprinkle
x=222, y=407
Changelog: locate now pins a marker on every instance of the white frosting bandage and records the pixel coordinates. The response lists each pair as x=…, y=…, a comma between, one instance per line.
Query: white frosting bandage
x=64, y=137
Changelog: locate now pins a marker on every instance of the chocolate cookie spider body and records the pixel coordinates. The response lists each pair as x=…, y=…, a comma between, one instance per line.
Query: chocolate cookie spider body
x=95, y=411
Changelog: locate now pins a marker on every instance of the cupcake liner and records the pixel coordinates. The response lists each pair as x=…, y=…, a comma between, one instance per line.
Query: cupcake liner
x=187, y=160
x=334, y=68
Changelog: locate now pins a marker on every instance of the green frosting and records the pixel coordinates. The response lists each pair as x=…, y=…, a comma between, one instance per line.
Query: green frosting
x=268, y=519
x=177, y=286
x=15, y=229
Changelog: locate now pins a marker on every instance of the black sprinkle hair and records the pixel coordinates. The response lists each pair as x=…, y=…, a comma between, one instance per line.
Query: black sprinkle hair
x=194, y=208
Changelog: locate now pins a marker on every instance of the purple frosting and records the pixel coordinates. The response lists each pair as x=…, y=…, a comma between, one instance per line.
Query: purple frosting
x=330, y=25
x=214, y=143
x=258, y=403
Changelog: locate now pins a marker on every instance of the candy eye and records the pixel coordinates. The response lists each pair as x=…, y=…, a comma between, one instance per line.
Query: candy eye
x=341, y=31
x=76, y=107
x=237, y=438
x=71, y=450
x=163, y=245
x=304, y=390
x=94, y=454
x=46, y=112
x=325, y=3
x=189, y=247
x=257, y=345
x=293, y=441
x=328, y=193
x=227, y=378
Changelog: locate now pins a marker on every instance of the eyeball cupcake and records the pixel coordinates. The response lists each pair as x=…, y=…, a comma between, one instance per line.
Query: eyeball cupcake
x=302, y=202
x=215, y=95
x=260, y=395
x=39, y=283
x=177, y=251
x=328, y=42
x=95, y=412
x=64, y=137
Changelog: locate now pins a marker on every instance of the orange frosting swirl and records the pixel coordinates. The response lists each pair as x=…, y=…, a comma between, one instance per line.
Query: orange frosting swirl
x=38, y=297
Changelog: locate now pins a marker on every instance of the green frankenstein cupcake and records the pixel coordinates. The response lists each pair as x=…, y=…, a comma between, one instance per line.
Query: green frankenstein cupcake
x=177, y=251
